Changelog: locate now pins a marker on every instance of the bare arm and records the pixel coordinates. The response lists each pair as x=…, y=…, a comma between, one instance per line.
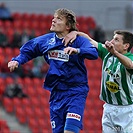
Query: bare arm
x=95, y=43
x=72, y=36
x=124, y=60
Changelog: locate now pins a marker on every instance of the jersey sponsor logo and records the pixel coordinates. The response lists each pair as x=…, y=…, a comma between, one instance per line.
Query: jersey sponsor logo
x=112, y=86
x=53, y=124
x=108, y=71
x=58, y=55
x=115, y=75
x=73, y=116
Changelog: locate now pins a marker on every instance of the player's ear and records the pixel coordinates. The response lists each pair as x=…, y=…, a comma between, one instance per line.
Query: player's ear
x=68, y=27
x=126, y=46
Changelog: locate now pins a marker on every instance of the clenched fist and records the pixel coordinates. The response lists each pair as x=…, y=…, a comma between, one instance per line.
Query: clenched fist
x=12, y=65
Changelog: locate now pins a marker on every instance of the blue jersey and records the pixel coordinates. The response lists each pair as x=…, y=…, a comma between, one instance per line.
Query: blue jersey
x=64, y=70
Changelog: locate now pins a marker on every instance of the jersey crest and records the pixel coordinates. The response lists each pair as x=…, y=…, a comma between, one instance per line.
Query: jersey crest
x=52, y=41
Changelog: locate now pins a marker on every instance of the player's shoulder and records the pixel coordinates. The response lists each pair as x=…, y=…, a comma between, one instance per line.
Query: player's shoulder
x=47, y=35
x=129, y=55
x=43, y=38
x=82, y=38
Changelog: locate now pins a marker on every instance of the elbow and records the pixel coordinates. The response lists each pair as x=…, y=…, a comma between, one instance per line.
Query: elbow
x=95, y=55
x=90, y=54
x=131, y=65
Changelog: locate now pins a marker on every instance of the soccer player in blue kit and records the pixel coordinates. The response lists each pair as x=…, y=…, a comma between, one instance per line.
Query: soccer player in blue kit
x=66, y=78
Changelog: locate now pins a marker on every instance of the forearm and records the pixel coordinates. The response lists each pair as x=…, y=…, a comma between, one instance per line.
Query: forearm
x=128, y=63
x=21, y=59
x=95, y=43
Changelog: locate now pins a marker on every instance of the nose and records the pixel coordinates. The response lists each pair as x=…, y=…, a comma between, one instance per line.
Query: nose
x=112, y=41
x=54, y=19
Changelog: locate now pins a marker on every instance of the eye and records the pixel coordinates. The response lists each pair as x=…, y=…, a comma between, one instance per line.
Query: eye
x=59, y=18
x=116, y=39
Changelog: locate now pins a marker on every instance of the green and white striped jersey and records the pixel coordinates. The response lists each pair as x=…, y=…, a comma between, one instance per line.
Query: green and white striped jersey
x=117, y=81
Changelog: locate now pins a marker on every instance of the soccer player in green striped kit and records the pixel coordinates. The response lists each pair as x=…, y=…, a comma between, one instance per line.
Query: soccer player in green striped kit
x=116, y=82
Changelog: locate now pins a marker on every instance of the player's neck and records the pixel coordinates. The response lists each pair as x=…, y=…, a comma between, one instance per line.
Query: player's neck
x=61, y=35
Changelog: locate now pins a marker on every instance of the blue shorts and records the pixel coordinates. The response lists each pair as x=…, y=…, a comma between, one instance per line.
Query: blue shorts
x=67, y=107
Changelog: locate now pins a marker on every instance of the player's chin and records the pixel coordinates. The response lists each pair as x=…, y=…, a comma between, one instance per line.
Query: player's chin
x=52, y=28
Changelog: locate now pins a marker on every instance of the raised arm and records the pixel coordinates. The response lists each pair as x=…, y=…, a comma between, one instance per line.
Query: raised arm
x=128, y=63
x=95, y=43
x=69, y=38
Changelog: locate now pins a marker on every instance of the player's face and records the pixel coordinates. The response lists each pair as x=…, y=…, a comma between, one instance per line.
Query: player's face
x=59, y=24
x=118, y=43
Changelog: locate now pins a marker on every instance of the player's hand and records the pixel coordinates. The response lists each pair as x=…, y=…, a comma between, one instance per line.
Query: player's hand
x=110, y=47
x=70, y=50
x=69, y=38
x=12, y=65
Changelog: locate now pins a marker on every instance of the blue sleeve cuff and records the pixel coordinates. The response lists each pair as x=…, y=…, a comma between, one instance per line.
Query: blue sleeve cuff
x=78, y=50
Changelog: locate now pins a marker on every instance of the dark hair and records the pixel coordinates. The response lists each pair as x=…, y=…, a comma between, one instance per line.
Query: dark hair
x=127, y=37
x=70, y=17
